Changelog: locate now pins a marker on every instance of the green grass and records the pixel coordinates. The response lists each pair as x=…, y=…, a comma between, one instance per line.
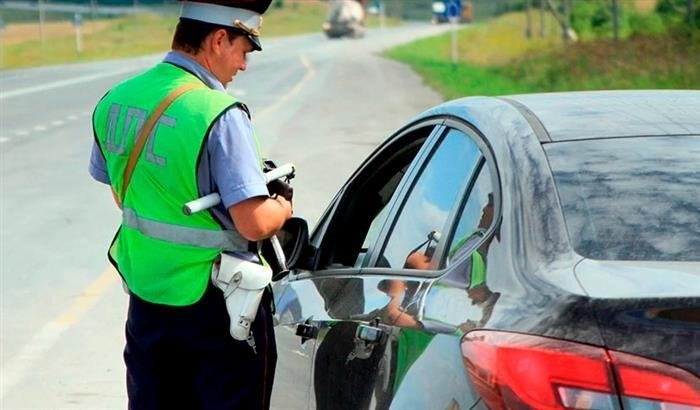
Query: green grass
x=136, y=35
x=496, y=58
x=127, y=36
x=294, y=19
x=668, y=61
x=482, y=49
x=458, y=80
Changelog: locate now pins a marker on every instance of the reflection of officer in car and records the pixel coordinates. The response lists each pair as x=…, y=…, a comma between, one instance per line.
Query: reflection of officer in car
x=342, y=380
x=480, y=294
x=346, y=369
x=474, y=271
x=179, y=353
x=393, y=313
x=421, y=259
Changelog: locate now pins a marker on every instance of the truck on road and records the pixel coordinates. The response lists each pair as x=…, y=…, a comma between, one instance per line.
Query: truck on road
x=346, y=18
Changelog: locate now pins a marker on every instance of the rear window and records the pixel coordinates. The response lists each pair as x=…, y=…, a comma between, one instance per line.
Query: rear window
x=630, y=198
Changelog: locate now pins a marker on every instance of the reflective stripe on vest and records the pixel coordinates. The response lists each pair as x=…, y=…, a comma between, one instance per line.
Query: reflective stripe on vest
x=225, y=239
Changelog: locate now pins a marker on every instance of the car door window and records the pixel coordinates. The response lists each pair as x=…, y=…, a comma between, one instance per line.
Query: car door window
x=476, y=216
x=359, y=213
x=436, y=192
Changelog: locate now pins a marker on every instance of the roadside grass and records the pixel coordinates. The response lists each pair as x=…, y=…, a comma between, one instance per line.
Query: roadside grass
x=481, y=49
x=105, y=38
x=668, y=61
x=496, y=58
x=134, y=35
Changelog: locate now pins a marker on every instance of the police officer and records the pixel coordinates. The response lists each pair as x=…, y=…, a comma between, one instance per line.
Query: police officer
x=179, y=353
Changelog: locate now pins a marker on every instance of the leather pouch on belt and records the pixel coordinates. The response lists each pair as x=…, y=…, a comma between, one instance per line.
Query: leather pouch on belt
x=243, y=283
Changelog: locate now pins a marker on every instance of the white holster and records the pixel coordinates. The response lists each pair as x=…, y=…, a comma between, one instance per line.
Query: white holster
x=243, y=283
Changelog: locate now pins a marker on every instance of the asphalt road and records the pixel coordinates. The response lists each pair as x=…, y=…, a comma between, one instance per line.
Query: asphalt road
x=321, y=104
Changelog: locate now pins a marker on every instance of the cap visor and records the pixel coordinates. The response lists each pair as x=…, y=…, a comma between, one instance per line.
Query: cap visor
x=257, y=46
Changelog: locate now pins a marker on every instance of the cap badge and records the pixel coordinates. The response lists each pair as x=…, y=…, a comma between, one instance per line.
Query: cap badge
x=253, y=31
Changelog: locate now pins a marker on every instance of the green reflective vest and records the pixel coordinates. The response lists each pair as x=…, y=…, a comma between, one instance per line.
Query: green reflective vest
x=163, y=255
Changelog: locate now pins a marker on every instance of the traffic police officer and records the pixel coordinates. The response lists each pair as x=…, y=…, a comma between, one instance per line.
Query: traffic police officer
x=179, y=353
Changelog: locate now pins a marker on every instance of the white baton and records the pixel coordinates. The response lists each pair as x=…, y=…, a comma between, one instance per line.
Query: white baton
x=279, y=172
x=213, y=199
x=202, y=203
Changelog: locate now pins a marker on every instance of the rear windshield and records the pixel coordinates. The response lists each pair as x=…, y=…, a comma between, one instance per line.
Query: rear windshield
x=631, y=198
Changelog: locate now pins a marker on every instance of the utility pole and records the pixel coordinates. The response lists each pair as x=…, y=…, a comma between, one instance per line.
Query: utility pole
x=616, y=19
x=42, y=17
x=567, y=19
x=528, y=29
x=454, y=13
x=564, y=21
x=78, y=25
x=542, y=18
x=2, y=50
x=691, y=13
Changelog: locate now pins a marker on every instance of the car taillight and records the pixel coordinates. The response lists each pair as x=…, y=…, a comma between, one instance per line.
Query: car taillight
x=518, y=371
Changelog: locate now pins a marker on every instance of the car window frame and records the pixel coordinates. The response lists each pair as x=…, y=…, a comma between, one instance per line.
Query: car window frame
x=487, y=159
x=327, y=223
x=387, y=234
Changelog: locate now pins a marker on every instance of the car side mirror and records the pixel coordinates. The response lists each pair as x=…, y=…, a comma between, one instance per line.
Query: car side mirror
x=294, y=240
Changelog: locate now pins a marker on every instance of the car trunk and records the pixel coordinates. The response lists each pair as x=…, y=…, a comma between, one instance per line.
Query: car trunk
x=650, y=309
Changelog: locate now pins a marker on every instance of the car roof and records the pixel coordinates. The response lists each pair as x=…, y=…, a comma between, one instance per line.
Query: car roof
x=605, y=114
x=577, y=115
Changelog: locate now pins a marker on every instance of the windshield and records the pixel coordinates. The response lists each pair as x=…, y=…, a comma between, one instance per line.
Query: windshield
x=630, y=198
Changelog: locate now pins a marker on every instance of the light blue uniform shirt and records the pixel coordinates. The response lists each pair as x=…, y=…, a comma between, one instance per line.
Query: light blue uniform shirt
x=230, y=165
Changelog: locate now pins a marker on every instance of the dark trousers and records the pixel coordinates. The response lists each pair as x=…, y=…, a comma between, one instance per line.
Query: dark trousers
x=185, y=358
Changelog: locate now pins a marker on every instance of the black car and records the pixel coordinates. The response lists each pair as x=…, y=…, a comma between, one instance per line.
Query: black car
x=520, y=252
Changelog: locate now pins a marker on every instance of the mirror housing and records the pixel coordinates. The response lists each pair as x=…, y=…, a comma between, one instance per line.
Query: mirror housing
x=294, y=239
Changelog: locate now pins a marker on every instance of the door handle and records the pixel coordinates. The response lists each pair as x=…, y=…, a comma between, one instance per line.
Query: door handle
x=369, y=334
x=366, y=338
x=306, y=331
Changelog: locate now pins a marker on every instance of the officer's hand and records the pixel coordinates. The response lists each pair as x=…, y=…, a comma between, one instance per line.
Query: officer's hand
x=279, y=187
x=286, y=204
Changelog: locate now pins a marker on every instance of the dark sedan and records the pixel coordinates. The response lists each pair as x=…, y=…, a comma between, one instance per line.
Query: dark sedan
x=521, y=252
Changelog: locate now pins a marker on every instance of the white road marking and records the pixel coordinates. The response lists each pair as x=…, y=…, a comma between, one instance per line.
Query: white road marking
x=4, y=139
x=64, y=83
x=54, y=123
x=15, y=369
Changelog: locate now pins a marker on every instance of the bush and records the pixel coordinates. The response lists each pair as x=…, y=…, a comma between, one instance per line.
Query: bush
x=675, y=12
x=593, y=19
x=670, y=8
x=646, y=24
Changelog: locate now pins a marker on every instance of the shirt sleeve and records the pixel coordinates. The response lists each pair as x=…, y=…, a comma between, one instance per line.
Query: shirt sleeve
x=98, y=166
x=235, y=164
